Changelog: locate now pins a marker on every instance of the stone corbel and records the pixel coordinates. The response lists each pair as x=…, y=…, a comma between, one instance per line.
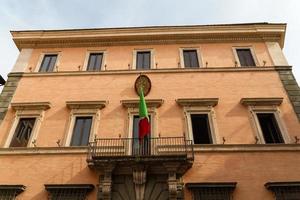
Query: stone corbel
x=172, y=180
x=139, y=180
x=104, y=190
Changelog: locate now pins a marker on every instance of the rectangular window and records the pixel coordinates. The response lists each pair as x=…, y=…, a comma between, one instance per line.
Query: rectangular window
x=81, y=131
x=48, y=63
x=190, y=59
x=245, y=57
x=201, y=129
x=269, y=128
x=140, y=147
x=23, y=132
x=95, y=62
x=143, y=60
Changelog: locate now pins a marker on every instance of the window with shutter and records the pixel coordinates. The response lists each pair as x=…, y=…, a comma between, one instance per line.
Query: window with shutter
x=48, y=63
x=95, y=62
x=190, y=59
x=143, y=60
x=245, y=57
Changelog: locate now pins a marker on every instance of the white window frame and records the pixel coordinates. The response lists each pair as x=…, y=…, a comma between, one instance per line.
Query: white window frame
x=181, y=57
x=209, y=110
x=41, y=57
x=94, y=113
x=87, y=57
x=152, y=57
x=236, y=57
x=254, y=110
x=20, y=114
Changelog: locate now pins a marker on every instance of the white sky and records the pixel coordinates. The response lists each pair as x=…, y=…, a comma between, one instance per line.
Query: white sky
x=57, y=14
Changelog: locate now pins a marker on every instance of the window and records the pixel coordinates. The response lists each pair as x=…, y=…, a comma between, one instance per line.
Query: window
x=143, y=60
x=23, y=132
x=95, y=62
x=211, y=191
x=269, y=128
x=68, y=191
x=81, y=131
x=9, y=192
x=190, y=59
x=245, y=57
x=48, y=63
x=140, y=147
x=284, y=190
x=201, y=129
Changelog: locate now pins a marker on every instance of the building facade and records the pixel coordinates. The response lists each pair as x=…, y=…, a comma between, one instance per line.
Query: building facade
x=223, y=103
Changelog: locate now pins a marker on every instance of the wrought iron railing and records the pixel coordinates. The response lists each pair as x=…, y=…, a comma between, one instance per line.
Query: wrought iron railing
x=126, y=148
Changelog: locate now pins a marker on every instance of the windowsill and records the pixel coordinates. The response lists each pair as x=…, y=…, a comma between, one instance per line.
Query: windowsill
x=245, y=147
x=161, y=70
x=210, y=148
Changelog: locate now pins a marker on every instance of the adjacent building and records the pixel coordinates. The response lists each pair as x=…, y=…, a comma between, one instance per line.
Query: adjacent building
x=223, y=104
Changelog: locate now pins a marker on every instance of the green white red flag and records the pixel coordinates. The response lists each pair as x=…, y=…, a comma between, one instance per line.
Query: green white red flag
x=144, y=123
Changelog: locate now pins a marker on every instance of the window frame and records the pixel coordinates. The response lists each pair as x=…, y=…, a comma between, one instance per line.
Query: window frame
x=152, y=59
x=41, y=58
x=209, y=111
x=236, y=57
x=181, y=56
x=38, y=114
x=254, y=110
x=94, y=113
x=87, y=57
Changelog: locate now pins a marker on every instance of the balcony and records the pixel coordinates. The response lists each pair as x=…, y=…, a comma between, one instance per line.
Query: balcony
x=134, y=150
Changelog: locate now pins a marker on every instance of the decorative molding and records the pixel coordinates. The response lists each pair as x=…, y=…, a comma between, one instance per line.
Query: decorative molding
x=72, y=191
x=284, y=190
x=150, y=35
x=31, y=105
x=86, y=104
x=229, y=185
x=197, y=102
x=270, y=185
x=43, y=150
x=89, y=187
x=272, y=101
x=134, y=103
x=14, y=189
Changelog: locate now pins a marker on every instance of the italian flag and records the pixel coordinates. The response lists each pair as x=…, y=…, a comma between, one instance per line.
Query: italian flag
x=144, y=123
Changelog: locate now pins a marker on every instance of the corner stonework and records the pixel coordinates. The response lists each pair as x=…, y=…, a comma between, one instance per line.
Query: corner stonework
x=8, y=92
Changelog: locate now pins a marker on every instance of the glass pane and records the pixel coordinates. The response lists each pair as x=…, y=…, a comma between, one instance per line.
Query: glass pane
x=270, y=128
x=48, y=63
x=23, y=132
x=194, y=59
x=139, y=60
x=245, y=57
x=98, y=62
x=45, y=64
x=146, y=60
x=81, y=131
x=201, y=129
x=186, y=57
x=91, y=62
x=52, y=63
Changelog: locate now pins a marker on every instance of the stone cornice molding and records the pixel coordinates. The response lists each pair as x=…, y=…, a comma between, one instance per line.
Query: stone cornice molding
x=86, y=104
x=197, y=102
x=31, y=105
x=272, y=101
x=256, y=32
x=134, y=103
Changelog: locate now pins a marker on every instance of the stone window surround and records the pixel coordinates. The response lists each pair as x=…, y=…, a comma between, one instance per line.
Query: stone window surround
x=152, y=57
x=181, y=57
x=83, y=109
x=200, y=106
x=41, y=57
x=27, y=110
x=265, y=105
x=236, y=58
x=87, y=56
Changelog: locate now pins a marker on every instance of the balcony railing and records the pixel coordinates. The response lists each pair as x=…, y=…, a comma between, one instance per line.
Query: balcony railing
x=146, y=149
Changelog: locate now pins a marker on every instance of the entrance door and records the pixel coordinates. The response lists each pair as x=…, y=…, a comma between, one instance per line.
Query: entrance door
x=140, y=147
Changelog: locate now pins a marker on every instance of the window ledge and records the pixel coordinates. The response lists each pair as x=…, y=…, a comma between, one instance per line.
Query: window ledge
x=273, y=101
x=134, y=103
x=43, y=150
x=31, y=105
x=86, y=104
x=245, y=147
x=197, y=101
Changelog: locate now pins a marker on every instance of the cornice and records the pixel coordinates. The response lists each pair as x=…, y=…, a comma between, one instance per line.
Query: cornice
x=86, y=104
x=150, y=35
x=30, y=105
x=272, y=101
x=134, y=103
x=197, y=101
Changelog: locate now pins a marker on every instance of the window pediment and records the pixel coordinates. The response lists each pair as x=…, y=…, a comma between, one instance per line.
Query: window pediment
x=184, y=102
x=272, y=101
x=134, y=103
x=86, y=104
x=31, y=105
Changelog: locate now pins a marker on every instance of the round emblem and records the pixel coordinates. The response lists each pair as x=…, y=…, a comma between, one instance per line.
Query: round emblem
x=144, y=82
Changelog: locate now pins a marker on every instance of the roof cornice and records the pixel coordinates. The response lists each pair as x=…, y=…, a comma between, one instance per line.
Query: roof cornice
x=256, y=32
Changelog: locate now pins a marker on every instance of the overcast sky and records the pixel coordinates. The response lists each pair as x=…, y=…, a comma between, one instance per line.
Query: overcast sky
x=57, y=14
